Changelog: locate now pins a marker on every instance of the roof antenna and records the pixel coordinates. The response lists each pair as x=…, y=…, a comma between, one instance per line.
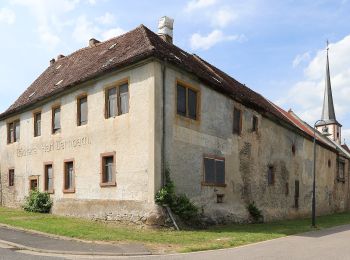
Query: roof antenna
x=327, y=43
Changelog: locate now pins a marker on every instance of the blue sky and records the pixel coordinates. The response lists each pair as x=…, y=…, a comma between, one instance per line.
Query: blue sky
x=274, y=47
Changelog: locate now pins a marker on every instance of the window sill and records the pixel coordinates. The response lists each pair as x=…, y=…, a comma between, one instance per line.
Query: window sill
x=108, y=184
x=69, y=191
x=188, y=119
x=50, y=191
x=214, y=184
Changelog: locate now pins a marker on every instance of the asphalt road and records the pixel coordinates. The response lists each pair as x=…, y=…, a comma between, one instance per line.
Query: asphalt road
x=326, y=244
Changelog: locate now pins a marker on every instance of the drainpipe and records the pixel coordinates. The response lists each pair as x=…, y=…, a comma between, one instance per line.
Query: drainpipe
x=163, y=123
x=1, y=192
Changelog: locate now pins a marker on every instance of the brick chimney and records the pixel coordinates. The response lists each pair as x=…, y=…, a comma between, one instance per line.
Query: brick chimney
x=165, y=29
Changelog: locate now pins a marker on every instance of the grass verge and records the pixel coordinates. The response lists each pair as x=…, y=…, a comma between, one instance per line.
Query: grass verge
x=166, y=240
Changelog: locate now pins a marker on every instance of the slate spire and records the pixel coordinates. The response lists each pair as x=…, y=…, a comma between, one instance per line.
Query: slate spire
x=328, y=114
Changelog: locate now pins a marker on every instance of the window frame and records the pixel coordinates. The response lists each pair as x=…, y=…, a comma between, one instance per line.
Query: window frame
x=35, y=115
x=46, y=188
x=215, y=158
x=195, y=89
x=79, y=98
x=112, y=183
x=240, y=121
x=15, y=137
x=255, y=126
x=117, y=86
x=11, y=180
x=341, y=178
x=55, y=131
x=72, y=189
x=33, y=178
x=271, y=169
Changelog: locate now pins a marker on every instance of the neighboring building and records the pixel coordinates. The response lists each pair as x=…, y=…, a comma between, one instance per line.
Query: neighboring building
x=99, y=127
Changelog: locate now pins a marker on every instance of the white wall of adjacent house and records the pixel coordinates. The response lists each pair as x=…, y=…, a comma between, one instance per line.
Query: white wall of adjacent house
x=130, y=136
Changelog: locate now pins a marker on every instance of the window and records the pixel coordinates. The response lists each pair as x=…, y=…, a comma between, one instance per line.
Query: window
x=341, y=170
x=11, y=177
x=56, y=120
x=214, y=171
x=329, y=163
x=37, y=124
x=255, y=124
x=108, y=169
x=69, y=177
x=82, y=111
x=117, y=100
x=48, y=178
x=33, y=183
x=270, y=176
x=293, y=149
x=237, y=121
x=187, y=103
x=13, y=132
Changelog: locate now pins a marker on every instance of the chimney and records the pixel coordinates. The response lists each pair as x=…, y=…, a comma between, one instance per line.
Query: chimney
x=52, y=61
x=93, y=42
x=60, y=56
x=165, y=29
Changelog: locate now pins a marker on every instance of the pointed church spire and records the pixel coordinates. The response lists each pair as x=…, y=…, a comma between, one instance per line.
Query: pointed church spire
x=328, y=113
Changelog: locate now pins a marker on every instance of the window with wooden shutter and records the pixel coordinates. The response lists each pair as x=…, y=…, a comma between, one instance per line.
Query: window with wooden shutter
x=82, y=110
x=237, y=121
x=187, y=101
x=214, y=171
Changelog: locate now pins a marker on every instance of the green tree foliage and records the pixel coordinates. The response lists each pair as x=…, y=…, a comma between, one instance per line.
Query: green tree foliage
x=38, y=202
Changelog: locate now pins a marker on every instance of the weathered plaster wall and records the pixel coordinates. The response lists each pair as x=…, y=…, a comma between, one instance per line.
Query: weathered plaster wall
x=131, y=136
x=247, y=158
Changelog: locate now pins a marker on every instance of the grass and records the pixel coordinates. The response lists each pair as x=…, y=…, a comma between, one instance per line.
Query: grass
x=166, y=240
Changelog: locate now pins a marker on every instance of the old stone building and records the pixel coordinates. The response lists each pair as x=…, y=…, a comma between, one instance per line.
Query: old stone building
x=98, y=128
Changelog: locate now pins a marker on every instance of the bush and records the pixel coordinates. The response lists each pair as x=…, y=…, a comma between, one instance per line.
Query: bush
x=38, y=202
x=255, y=213
x=179, y=204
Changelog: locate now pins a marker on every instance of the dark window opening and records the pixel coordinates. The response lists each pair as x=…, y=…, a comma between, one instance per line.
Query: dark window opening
x=329, y=163
x=287, y=189
x=296, y=194
x=270, y=175
x=33, y=183
x=255, y=124
x=214, y=171
x=293, y=149
x=11, y=177
x=187, y=102
x=237, y=121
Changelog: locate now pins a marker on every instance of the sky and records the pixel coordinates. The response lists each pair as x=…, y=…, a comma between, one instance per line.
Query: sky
x=276, y=48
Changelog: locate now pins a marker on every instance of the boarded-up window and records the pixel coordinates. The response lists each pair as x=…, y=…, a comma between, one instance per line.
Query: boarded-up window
x=341, y=170
x=37, y=124
x=13, y=132
x=214, y=171
x=270, y=175
x=186, y=102
x=56, y=120
x=255, y=124
x=117, y=100
x=11, y=177
x=82, y=111
x=48, y=178
x=237, y=121
x=69, y=176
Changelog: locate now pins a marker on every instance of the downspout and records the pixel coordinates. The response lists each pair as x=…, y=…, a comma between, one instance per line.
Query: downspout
x=1, y=192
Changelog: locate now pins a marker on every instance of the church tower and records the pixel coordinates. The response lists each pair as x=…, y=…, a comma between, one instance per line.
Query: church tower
x=328, y=114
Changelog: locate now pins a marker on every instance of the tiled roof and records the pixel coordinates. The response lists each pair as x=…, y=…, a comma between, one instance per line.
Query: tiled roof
x=134, y=46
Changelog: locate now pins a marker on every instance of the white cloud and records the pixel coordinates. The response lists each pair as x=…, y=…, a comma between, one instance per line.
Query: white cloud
x=199, y=42
x=307, y=95
x=84, y=30
x=300, y=58
x=7, y=16
x=198, y=4
x=107, y=18
x=112, y=33
x=223, y=17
